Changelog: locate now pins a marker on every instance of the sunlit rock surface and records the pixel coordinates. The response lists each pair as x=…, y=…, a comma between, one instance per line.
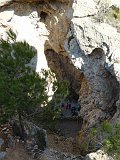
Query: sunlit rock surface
x=24, y=20
x=100, y=87
x=99, y=155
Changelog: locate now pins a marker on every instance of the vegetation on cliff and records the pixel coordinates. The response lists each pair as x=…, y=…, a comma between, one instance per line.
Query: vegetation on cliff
x=106, y=136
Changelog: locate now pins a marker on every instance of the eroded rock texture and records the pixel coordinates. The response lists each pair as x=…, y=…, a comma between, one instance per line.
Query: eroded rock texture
x=90, y=29
x=69, y=31
x=99, y=90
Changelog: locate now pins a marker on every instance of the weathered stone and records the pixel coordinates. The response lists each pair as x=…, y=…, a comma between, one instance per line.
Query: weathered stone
x=58, y=24
x=51, y=154
x=6, y=15
x=99, y=155
x=35, y=136
x=6, y=137
x=84, y=8
x=99, y=90
x=5, y=2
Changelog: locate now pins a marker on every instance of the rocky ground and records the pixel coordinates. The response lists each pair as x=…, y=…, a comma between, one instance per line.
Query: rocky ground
x=61, y=151
x=19, y=153
x=58, y=147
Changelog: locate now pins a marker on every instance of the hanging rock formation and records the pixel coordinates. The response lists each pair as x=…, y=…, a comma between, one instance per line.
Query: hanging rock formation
x=81, y=42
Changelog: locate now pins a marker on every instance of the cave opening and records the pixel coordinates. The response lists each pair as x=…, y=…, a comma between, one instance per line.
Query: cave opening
x=43, y=16
x=72, y=96
x=69, y=106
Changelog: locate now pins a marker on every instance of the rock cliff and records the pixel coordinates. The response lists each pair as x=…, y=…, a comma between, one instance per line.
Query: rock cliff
x=80, y=41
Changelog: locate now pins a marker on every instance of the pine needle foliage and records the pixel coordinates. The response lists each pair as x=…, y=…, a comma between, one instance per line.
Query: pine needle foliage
x=21, y=88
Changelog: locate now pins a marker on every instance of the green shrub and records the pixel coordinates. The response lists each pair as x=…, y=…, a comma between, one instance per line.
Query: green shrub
x=106, y=127
x=111, y=142
x=106, y=136
x=116, y=12
x=117, y=15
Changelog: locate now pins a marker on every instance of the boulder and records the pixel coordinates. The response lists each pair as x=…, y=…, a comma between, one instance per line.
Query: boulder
x=99, y=155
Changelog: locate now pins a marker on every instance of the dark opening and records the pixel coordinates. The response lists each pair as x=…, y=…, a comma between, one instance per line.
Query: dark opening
x=43, y=16
x=72, y=95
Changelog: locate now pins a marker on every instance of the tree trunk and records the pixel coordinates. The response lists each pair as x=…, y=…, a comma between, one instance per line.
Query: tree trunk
x=22, y=130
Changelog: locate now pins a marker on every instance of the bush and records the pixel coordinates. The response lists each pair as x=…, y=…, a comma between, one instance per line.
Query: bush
x=106, y=137
x=116, y=12
x=111, y=143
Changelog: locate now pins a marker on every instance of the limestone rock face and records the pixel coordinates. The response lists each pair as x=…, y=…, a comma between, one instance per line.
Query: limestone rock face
x=66, y=34
x=99, y=93
x=23, y=19
x=90, y=29
x=99, y=155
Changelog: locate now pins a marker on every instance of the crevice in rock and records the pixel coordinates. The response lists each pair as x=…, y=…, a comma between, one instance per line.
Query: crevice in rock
x=92, y=15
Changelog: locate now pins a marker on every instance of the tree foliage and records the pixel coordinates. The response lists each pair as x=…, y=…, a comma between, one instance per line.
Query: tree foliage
x=22, y=90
